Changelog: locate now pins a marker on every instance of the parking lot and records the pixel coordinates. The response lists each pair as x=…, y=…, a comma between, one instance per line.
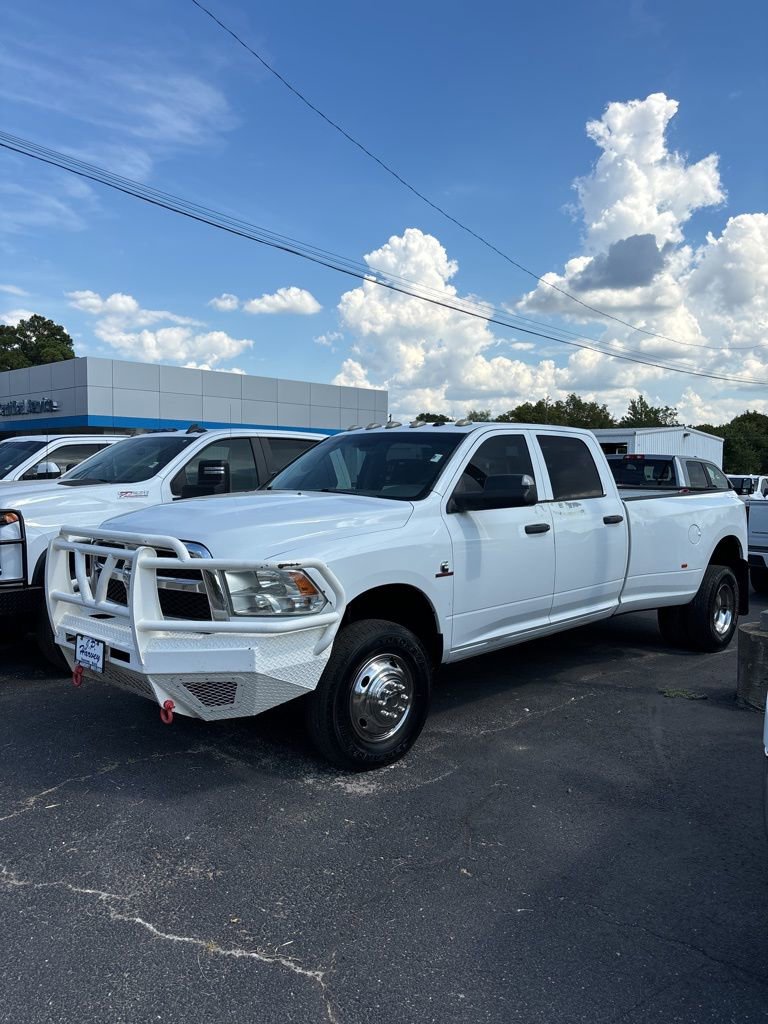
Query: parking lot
x=565, y=843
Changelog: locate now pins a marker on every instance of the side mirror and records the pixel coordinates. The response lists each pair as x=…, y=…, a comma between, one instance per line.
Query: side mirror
x=46, y=471
x=513, y=490
x=748, y=487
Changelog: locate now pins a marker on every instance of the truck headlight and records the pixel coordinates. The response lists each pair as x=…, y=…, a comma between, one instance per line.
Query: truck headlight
x=273, y=592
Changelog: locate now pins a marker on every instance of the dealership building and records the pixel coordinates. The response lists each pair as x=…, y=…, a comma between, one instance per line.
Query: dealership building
x=111, y=396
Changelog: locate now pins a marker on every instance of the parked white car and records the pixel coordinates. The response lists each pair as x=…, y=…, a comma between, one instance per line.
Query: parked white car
x=375, y=556
x=134, y=473
x=39, y=457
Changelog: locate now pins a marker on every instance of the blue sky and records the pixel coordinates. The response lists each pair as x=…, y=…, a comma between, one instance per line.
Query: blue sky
x=482, y=106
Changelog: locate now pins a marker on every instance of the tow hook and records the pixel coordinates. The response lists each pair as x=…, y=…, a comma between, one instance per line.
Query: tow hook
x=166, y=712
x=77, y=674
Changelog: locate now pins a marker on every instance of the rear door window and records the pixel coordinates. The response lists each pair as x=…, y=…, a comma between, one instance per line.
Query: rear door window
x=698, y=480
x=716, y=477
x=572, y=470
x=280, y=451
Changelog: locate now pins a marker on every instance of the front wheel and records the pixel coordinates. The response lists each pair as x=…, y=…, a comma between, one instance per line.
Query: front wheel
x=373, y=696
x=713, y=615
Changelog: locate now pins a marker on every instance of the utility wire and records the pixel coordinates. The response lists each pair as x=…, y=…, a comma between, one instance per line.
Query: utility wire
x=242, y=229
x=421, y=195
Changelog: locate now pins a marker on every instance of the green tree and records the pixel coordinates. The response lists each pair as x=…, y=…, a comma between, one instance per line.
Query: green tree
x=434, y=417
x=571, y=411
x=479, y=415
x=746, y=443
x=33, y=342
x=640, y=413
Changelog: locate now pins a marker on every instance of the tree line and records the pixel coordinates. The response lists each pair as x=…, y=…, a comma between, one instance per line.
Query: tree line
x=746, y=436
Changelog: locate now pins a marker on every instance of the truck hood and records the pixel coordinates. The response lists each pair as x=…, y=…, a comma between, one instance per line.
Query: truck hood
x=267, y=523
x=42, y=503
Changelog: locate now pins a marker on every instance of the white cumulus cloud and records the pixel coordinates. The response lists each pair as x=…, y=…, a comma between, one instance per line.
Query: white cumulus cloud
x=225, y=303
x=13, y=316
x=698, y=307
x=12, y=289
x=124, y=325
x=285, y=300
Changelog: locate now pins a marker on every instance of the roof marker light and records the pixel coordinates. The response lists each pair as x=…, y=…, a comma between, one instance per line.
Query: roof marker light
x=392, y=423
x=372, y=426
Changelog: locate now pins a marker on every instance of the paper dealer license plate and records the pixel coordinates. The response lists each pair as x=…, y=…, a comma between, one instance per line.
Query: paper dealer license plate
x=90, y=653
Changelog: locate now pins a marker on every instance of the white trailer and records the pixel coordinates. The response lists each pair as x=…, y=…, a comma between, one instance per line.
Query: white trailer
x=661, y=441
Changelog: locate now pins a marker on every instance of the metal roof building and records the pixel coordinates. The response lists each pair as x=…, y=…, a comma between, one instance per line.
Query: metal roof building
x=112, y=396
x=661, y=441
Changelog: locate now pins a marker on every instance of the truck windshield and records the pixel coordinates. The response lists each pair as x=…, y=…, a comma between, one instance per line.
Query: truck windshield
x=642, y=472
x=13, y=453
x=129, y=461
x=381, y=465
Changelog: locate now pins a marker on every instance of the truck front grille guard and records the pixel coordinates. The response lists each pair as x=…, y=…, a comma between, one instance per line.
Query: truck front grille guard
x=143, y=611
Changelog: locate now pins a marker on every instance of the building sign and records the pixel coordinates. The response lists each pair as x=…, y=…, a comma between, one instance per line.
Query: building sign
x=27, y=406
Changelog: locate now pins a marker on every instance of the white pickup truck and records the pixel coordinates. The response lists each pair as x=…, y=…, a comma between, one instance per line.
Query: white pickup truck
x=136, y=472
x=376, y=556
x=39, y=457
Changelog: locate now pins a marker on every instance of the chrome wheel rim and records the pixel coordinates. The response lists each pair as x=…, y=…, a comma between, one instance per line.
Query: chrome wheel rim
x=381, y=698
x=725, y=607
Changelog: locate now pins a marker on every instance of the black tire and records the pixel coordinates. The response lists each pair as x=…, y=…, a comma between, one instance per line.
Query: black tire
x=378, y=672
x=758, y=577
x=47, y=646
x=713, y=615
x=673, y=625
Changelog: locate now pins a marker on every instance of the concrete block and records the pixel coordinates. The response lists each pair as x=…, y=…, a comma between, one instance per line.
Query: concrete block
x=223, y=410
x=99, y=401
x=4, y=387
x=81, y=372
x=260, y=389
x=380, y=402
x=179, y=380
x=40, y=380
x=289, y=415
x=293, y=392
x=348, y=417
x=223, y=385
x=264, y=413
x=63, y=374
x=326, y=395
x=136, y=404
x=324, y=416
x=181, y=407
x=135, y=377
x=752, y=671
x=98, y=372
x=18, y=383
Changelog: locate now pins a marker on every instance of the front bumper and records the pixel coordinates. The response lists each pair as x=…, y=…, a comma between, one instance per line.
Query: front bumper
x=210, y=669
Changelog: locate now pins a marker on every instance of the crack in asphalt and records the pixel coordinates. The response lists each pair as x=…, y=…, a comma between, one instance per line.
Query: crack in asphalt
x=29, y=803
x=11, y=880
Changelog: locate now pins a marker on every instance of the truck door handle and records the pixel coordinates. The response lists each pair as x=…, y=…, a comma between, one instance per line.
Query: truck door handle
x=610, y=520
x=537, y=528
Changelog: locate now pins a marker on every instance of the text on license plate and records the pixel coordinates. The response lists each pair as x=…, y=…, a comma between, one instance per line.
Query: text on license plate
x=90, y=653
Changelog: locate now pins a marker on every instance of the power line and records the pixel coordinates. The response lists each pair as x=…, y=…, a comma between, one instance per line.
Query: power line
x=243, y=229
x=421, y=195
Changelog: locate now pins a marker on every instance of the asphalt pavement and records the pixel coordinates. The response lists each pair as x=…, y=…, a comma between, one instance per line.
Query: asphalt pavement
x=566, y=843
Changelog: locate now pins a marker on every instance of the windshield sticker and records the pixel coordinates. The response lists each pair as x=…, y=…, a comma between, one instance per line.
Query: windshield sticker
x=133, y=494
x=436, y=457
